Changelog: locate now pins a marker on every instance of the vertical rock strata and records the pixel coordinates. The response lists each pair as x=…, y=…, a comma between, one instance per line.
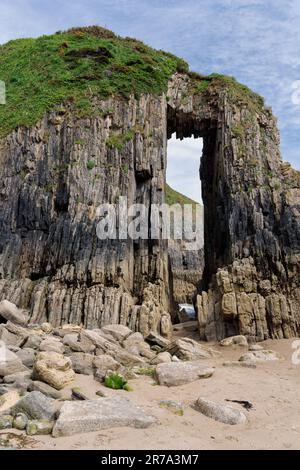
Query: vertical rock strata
x=54, y=176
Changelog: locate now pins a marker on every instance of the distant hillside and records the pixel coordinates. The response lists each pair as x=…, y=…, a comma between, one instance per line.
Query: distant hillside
x=174, y=197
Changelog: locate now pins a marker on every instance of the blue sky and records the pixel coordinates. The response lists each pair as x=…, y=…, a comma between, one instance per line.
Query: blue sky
x=257, y=41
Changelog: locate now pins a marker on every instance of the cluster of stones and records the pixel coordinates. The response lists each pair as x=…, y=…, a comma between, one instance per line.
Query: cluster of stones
x=38, y=364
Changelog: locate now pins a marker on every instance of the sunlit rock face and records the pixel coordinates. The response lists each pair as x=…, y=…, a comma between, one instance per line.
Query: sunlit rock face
x=55, y=174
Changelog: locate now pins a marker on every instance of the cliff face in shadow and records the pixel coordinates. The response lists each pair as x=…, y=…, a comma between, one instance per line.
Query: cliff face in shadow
x=56, y=171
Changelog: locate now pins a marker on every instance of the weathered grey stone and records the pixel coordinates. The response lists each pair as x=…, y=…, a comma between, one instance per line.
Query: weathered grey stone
x=27, y=356
x=8, y=400
x=172, y=405
x=9, y=362
x=10, y=379
x=155, y=339
x=46, y=327
x=10, y=312
x=45, y=389
x=71, y=340
x=52, y=344
x=255, y=347
x=33, y=341
x=219, y=412
x=13, y=335
x=189, y=350
x=94, y=415
x=162, y=357
x=82, y=363
x=35, y=405
x=261, y=356
x=118, y=332
x=180, y=373
x=238, y=340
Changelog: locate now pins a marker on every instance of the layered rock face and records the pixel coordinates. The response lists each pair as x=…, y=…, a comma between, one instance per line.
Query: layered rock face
x=56, y=174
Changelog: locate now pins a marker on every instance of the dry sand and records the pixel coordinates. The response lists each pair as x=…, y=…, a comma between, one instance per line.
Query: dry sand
x=273, y=422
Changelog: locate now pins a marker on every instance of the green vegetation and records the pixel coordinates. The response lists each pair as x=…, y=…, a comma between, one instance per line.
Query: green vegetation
x=237, y=131
x=64, y=71
x=91, y=164
x=72, y=66
x=119, y=140
x=174, y=197
x=117, y=382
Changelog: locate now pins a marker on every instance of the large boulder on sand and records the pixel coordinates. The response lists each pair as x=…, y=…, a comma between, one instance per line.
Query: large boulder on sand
x=35, y=405
x=94, y=415
x=238, y=340
x=188, y=349
x=10, y=312
x=180, y=373
x=261, y=356
x=54, y=369
x=219, y=412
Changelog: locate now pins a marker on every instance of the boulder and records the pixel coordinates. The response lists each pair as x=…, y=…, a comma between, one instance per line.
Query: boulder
x=10, y=312
x=13, y=335
x=135, y=344
x=161, y=358
x=103, y=413
x=35, y=405
x=118, y=332
x=46, y=327
x=71, y=340
x=107, y=347
x=174, y=406
x=261, y=356
x=52, y=344
x=105, y=363
x=26, y=356
x=12, y=378
x=238, y=340
x=188, y=349
x=224, y=413
x=82, y=363
x=9, y=362
x=54, y=369
x=33, y=341
x=154, y=339
x=45, y=389
x=179, y=373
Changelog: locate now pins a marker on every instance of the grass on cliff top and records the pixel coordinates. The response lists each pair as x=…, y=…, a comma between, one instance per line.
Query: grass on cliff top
x=72, y=66
x=174, y=197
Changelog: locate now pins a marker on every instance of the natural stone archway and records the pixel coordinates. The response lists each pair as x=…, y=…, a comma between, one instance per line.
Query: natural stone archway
x=55, y=173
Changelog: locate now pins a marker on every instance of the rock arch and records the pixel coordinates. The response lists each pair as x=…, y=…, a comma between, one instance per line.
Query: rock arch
x=53, y=264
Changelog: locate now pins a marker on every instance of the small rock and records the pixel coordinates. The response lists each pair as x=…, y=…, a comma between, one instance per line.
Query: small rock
x=20, y=421
x=249, y=364
x=155, y=339
x=78, y=395
x=255, y=347
x=161, y=358
x=33, y=341
x=77, y=417
x=37, y=386
x=47, y=327
x=180, y=373
x=261, y=356
x=35, y=405
x=6, y=422
x=175, y=359
x=39, y=427
x=172, y=405
x=238, y=340
x=219, y=412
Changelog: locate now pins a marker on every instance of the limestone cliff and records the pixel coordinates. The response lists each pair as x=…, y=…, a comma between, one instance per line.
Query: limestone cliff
x=98, y=131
